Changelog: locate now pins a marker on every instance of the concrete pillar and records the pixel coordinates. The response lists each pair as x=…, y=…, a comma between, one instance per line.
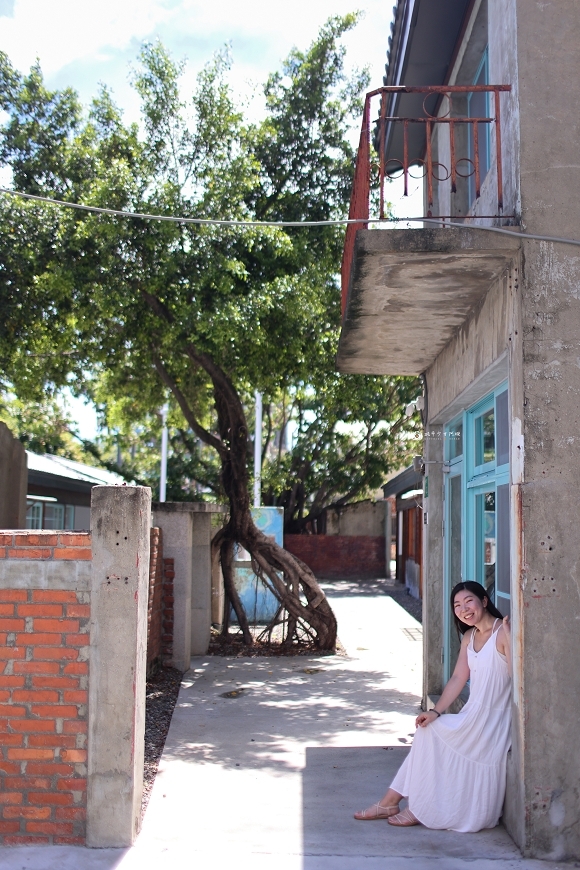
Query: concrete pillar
x=120, y=520
x=433, y=586
x=13, y=480
x=187, y=540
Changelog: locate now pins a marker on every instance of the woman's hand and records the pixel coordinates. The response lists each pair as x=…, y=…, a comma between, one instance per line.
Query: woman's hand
x=424, y=719
x=507, y=627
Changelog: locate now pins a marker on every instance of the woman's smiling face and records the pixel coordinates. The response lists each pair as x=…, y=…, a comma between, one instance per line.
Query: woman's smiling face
x=468, y=607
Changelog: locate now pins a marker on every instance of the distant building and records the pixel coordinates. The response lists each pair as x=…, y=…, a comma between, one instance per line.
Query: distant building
x=59, y=491
x=404, y=495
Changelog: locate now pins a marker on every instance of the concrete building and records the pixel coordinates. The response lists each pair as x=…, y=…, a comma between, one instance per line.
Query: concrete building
x=489, y=90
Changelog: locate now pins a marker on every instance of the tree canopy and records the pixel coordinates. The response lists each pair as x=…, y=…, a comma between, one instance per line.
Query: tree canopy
x=130, y=311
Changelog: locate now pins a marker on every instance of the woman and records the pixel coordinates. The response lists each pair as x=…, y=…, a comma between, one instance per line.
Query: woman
x=455, y=773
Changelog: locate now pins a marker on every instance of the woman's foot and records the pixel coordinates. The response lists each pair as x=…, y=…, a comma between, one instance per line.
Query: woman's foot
x=377, y=811
x=404, y=819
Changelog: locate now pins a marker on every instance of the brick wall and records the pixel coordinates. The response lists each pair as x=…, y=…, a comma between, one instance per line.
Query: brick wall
x=340, y=555
x=168, y=600
x=44, y=652
x=155, y=604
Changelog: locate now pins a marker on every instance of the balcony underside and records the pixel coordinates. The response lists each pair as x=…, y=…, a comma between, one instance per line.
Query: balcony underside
x=410, y=290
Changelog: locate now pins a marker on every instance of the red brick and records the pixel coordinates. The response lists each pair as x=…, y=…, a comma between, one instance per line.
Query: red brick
x=76, y=553
x=11, y=711
x=78, y=697
x=72, y=785
x=3, y=726
x=8, y=610
x=3, y=639
x=7, y=624
x=21, y=840
x=38, y=768
x=31, y=540
x=74, y=755
x=13, y=595
x=12, y=740
x=36, y=667
x=47, y=653
x=74, y=726
x=27, y=812
x=51, y=682
x=37, y=638
x=62, y=828
x=69, y=841
x=76, y=668
x=9, y=827
x=6, y=539
x=30, y=553
x=68, y=740
x=48, y=711
x=2, y=552
x=9, y=767
x=62, y=799
x=11, y=681
x=77, y=639
x=4, y=695
x=26, y=782
x=81, y=610
x=75, y=813
x=10, y=797
x=40, y=609
x=54, y=595
x=12, y=652
x=30, y=754
x=70, y=539
x=33, y=726
x=37, y=695
x=58, y=625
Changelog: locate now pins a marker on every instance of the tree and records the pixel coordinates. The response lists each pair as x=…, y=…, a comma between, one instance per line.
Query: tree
x=203, y=314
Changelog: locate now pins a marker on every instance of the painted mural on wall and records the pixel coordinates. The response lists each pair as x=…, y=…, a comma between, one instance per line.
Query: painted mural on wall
x=259, y=603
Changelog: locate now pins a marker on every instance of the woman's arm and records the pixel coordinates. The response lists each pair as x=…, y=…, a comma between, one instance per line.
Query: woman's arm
x=453, y=688
x=504, y=642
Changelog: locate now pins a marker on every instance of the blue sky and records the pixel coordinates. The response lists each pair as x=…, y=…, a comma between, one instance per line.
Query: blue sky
x=84, y=42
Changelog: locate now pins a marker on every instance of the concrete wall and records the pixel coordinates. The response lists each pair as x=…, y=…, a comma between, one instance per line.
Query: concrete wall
x=13, y=480
x=187, y=535
x=548, y=36
x=362, y=518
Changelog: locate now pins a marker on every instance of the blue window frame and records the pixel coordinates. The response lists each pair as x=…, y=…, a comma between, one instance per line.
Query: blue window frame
x=477, y=511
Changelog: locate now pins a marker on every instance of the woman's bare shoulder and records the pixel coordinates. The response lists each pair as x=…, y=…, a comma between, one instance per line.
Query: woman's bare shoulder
x=466, y=637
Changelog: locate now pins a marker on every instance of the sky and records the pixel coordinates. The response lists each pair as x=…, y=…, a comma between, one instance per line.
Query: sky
x=82, y=43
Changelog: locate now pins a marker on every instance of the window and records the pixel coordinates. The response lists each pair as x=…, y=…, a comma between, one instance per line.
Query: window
x=44, y=512
x=477, y=509
x=478, y=107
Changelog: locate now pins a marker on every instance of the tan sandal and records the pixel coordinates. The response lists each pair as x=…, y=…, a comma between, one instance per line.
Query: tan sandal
x=376, y=812
x=404, y=819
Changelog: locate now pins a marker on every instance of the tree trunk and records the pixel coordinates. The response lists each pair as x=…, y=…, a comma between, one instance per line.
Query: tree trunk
x=281, y=572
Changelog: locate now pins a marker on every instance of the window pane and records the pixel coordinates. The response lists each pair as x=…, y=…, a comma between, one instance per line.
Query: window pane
x=455, y=441
x=54, y=516
x=34, y=515
x=69, y=516
x=503, y=539
x=485, y=438
x=485, y=542
x=502, y=429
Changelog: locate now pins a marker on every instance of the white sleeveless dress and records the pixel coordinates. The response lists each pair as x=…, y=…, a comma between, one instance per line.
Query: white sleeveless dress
x=455, y=773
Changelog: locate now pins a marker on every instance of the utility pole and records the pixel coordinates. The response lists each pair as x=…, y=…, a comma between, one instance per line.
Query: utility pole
x=258, y=451
x=163, y=474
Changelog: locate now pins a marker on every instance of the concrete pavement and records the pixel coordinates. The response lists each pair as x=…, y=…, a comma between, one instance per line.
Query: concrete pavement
x=267, y=758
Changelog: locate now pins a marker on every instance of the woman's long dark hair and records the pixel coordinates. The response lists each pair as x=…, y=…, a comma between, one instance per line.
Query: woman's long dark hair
x=477, y=589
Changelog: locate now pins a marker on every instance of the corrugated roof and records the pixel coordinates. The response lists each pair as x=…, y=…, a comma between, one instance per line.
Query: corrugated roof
x=61, y=467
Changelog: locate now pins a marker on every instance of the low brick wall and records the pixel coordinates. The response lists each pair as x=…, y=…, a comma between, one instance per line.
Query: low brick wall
x=44, y=652
x=340, y=555
x=168, y=602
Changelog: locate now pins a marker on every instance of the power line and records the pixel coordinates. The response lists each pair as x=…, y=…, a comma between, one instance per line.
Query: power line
x=248, y=223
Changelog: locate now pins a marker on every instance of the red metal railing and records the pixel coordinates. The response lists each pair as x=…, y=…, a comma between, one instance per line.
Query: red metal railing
x=433, y=171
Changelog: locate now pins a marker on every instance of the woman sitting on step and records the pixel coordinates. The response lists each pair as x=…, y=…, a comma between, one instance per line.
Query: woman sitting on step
x=455, y=774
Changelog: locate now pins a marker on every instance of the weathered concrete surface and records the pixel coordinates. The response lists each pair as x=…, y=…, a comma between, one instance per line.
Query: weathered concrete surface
x=411, y=290
x=120, y=520
x=13, y=480
x=270, y=778
x=187, y=540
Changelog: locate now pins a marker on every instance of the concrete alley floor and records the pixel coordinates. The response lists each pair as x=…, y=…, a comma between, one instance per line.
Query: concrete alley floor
x=267, y=758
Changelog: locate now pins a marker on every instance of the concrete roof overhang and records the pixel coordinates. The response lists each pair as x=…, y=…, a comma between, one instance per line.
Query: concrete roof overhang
x=410, y=290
